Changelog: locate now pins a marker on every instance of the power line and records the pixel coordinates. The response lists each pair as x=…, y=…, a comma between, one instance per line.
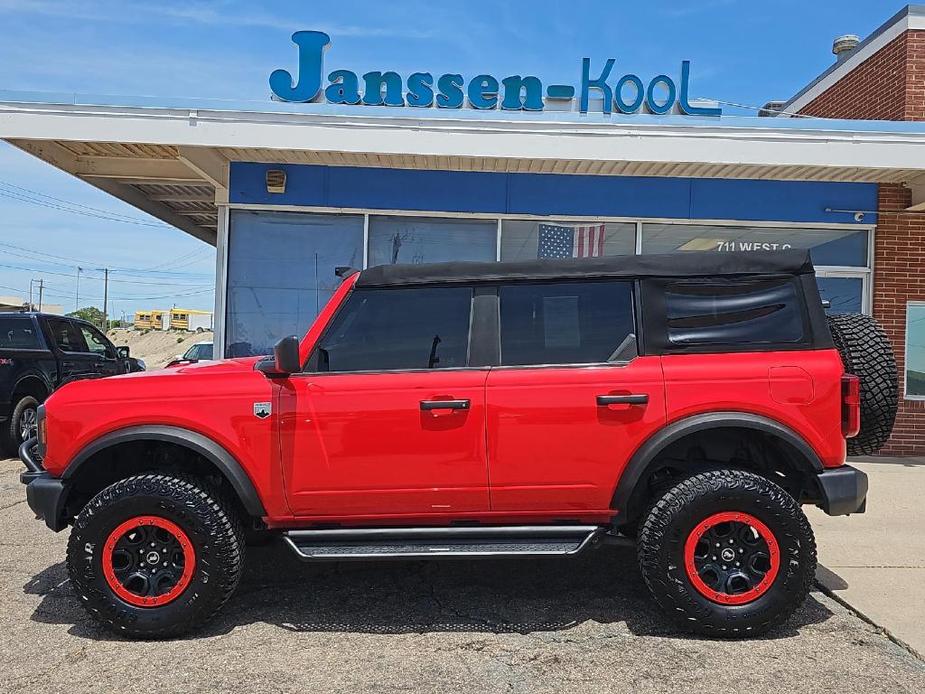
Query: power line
x=83, y=263
x=61, y=208
x=94, y=277
x=28, y=192
x=25, y=195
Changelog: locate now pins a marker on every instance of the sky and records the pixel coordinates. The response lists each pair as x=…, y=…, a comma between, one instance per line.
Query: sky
x=742, y=52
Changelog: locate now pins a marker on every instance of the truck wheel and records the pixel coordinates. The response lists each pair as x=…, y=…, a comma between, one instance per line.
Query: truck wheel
x=154, y=556
x=22, y=424
x=867, y=353
x=728, y=553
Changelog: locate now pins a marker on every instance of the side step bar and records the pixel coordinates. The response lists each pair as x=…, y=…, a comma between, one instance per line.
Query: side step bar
x=442, y=542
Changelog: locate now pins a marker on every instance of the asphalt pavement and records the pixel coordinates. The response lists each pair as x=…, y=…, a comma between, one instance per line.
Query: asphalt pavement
x=583, y=625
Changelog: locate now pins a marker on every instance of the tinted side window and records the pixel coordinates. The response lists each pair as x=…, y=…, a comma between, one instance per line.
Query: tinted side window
x=18, y=333
x=734, y=312
x=397, y=329
x=567, y=323
x=67, y=336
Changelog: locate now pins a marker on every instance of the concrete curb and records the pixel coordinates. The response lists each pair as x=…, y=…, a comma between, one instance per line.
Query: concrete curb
x=855, y=611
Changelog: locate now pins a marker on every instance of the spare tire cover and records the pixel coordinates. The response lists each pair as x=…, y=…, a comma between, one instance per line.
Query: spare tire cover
x=867, y=353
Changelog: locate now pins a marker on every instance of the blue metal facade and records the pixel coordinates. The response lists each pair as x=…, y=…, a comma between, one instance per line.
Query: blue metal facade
x=366, y=188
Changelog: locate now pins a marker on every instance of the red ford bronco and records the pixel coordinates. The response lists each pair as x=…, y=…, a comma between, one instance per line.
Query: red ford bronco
x=687, y=403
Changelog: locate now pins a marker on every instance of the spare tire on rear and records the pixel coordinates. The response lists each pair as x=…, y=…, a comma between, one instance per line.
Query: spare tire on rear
x=867, y=353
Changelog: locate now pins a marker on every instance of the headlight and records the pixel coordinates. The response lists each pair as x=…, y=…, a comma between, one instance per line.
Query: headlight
x=141, y=364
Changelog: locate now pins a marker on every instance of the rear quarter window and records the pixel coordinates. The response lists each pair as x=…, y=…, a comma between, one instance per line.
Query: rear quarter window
x=734, y=313
x=19, y=333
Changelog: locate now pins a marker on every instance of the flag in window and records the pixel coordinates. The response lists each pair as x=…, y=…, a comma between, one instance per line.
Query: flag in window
x=557, y=241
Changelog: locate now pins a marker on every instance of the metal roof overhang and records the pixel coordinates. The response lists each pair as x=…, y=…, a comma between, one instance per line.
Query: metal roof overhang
x=173, y=162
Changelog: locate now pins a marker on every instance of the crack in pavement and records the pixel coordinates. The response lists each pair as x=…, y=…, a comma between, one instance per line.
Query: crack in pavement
x=15, y=503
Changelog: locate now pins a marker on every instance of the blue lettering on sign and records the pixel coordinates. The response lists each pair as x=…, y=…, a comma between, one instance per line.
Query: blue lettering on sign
x=626, y=94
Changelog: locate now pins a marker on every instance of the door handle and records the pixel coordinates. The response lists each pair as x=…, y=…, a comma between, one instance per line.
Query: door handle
x=630, y=399
x=444, y=405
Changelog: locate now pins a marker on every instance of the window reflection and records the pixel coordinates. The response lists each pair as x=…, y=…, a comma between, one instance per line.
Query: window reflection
x=529, y=240
x=281, y=273
x=837, y=247
x=915, y=350
x=428, y=240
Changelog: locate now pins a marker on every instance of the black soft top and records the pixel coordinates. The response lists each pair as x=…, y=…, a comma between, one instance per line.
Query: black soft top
x=684, y=264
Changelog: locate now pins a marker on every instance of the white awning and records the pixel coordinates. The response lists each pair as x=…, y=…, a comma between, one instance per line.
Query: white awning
x=173, y=162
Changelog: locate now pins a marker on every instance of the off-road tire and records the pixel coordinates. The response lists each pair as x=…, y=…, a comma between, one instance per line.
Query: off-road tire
x=208, y=521
x=674, y=516
x=10, y=437
x=867, y=353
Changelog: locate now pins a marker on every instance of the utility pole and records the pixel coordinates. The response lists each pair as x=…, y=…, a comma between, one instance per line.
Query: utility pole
x=105, y=298
x=77, y=300
x=41, y=291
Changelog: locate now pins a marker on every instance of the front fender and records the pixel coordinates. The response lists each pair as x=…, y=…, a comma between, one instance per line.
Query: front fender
x=226, y=463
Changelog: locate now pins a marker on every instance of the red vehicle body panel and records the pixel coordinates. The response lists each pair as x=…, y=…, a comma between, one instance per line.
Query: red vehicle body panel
x=215, y=399
x=533, y=445
x=550, y=445
x=799, y=389
x=359, y=443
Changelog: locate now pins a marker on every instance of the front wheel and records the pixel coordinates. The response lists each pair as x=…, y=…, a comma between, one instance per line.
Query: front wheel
x=154, y=556
x=728, y=553
x=21, y=425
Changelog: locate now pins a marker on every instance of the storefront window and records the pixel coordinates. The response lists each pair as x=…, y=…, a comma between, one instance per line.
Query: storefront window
x=915, y=350
x=428, y=240
x=844, y=294
x=526, y=240
x=832, y=247
x=281, y=273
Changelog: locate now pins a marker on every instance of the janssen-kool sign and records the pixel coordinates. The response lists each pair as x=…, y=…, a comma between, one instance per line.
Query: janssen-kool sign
x=625, y=94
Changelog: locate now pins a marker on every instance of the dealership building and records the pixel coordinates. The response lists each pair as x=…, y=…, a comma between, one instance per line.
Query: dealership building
x=346, y=170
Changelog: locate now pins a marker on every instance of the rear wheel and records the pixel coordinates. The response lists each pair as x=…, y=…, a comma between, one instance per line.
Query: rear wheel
x=728, y=553
x=155, y=556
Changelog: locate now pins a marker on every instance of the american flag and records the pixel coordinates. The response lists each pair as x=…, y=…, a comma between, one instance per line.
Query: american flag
x=557, y=241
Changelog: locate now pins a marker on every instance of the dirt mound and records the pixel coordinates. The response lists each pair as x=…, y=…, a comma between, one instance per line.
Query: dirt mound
x=156, y=347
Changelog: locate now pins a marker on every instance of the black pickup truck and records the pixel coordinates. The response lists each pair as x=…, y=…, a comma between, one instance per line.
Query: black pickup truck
x=41, y=352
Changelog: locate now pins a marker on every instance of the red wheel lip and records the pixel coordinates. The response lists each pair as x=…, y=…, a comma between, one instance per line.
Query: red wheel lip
x=189, y=561
x=726, y=598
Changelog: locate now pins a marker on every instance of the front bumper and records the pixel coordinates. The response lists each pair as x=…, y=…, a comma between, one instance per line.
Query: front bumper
x=44, y=494
x=843, y=491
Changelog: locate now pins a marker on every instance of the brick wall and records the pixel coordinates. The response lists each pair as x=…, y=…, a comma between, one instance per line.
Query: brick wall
x=899, y=276
x=890, y=85
x=874, y=90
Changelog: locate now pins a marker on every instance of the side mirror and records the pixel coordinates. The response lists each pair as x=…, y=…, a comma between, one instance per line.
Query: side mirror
x=285, y=358
x=122, y=351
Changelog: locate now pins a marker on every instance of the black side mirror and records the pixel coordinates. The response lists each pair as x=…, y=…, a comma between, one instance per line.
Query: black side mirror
x=285, y=358
x=122, y=351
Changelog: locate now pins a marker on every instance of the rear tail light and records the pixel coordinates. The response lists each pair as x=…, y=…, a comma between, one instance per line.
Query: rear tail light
x=850, y=405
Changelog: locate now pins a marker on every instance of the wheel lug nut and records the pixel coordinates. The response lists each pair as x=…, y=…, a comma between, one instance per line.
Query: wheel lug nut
x=717, y=544
x=714, y=557
x=724, y=567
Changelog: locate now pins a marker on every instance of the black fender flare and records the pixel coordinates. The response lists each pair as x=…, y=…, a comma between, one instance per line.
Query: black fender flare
x=226, y=463
x=34, y=375
x=645, y=456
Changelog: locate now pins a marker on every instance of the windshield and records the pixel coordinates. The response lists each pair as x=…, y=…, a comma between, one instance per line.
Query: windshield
x=199, y=352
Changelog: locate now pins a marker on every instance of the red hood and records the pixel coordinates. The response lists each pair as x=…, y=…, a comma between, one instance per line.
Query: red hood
x=212, y=367
x=145, y=383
